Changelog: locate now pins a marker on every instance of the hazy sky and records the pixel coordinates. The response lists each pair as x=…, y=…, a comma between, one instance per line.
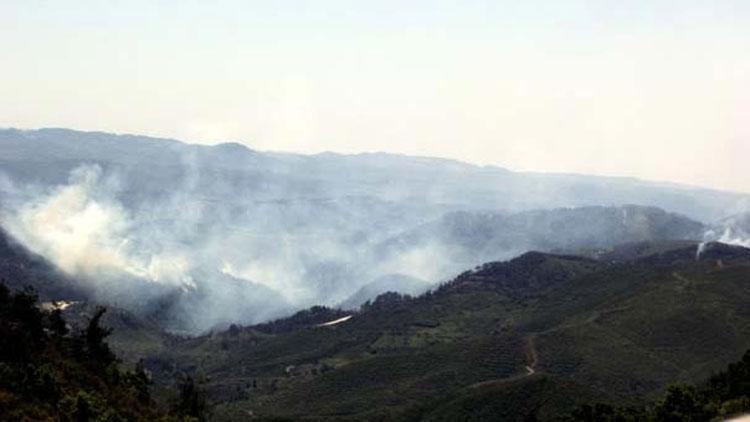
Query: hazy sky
x=649, y=88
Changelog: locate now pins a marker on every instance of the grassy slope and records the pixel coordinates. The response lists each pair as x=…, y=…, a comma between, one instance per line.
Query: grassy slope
x=637, y=328
x=590, y=331
x=392, y=358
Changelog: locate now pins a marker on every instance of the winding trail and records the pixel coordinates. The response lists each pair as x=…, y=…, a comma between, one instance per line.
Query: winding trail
x=531, y=355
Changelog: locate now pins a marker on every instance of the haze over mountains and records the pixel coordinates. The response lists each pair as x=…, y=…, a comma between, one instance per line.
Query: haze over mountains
x=246, y=236
x=388, y=211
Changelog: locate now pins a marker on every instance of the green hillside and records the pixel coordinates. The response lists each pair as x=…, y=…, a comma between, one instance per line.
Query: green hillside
x=548, y=331
x=540, y=336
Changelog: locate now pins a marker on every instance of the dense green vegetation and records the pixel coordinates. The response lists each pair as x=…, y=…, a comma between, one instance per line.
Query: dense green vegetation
x=49, y=373
x=724, y=395
x=534, y=336
x=540, y=337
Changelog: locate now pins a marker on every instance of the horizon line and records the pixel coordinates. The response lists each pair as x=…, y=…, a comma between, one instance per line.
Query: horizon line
x=214, y=143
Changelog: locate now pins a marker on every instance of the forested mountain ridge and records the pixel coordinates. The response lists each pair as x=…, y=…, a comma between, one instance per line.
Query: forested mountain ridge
x=616, y=332
x=543, y=333
x=573, y=295
x=155, y=164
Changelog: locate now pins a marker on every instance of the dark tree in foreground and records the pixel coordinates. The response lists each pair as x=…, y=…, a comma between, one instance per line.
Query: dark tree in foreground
x=95, y=334
x=49, y=373
x=722, y=396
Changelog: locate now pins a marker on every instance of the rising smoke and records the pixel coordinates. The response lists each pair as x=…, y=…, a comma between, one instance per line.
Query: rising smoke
x=733, y=230
x=205, y=236
x=214, y=263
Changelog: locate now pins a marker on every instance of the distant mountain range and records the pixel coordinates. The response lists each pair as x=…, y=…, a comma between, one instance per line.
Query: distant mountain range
x=157, y=225
x=511, y=313
x=471, y=238
x=156, y=166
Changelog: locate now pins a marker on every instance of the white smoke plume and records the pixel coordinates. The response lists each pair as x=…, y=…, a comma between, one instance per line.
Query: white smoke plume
x=733, y=237
x=243, y=261
x=86, y=232
x=733, y=230
x=225, y=236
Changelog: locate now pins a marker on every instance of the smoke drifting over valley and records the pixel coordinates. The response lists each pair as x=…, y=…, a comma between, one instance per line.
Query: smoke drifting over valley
x=245, y=268
x=204, y=236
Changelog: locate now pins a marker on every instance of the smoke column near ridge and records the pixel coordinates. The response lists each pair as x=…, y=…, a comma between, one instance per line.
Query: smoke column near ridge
x=232, y=267
x=225, y=234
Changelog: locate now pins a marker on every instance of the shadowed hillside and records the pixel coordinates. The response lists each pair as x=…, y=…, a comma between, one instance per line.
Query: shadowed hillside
x=20, y=268
x=48, y=372
x=548, y=331
x=542, y=333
